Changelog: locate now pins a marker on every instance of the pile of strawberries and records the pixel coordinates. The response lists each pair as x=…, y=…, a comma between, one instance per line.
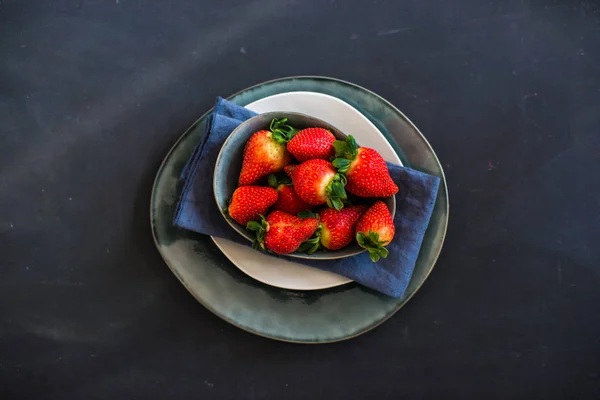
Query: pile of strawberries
x=310, y=171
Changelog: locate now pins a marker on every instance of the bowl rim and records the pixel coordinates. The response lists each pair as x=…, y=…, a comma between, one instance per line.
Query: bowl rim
x=237, y=227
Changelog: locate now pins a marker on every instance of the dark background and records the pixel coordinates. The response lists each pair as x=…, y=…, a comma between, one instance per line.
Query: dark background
x=94, y=93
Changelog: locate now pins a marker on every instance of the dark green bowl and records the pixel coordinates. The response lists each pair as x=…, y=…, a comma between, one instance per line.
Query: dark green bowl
x=229, y=164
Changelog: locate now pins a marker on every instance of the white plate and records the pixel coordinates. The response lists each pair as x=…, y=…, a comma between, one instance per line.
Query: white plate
x=288, y=274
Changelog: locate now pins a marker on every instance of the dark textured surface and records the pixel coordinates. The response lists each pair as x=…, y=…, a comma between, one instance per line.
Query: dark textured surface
x=93, y=94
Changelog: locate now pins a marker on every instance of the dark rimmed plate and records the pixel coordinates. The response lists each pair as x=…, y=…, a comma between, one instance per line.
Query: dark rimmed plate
x=304, y=317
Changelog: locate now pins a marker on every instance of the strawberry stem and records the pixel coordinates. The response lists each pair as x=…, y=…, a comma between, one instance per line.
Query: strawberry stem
x=282, y=132
x=226, y=208
x=276, y=180
x=306, y=214
x=345, y=152
x=336, y=193
x=341, y=164
x=312, y=244
x=374, y=246
x=273, y=181
x=259, y=229
x=346, y=148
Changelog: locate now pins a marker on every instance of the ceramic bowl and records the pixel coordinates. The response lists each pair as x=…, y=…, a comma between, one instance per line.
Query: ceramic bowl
x=229, y=164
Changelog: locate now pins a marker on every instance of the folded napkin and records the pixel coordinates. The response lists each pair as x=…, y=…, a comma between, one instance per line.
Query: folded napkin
x=197, y=210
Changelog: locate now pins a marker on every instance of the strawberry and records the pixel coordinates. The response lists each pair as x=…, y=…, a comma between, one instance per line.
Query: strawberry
x=365, y=169
x=249, y=202
x=375, y=229
x=337, y=227
x=311, y=143
x=282, y=233
x=317, y=182
x=265, y=152
x=288, y=200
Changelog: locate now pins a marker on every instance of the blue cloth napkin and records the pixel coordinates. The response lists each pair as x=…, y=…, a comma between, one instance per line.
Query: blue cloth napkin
x=197, y=210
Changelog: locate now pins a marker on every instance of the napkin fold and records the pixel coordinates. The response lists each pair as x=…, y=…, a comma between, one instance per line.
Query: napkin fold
x=197, y=210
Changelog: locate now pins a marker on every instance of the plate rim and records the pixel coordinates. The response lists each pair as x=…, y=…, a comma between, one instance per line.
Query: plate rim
x=348, y=280
x=315, y=77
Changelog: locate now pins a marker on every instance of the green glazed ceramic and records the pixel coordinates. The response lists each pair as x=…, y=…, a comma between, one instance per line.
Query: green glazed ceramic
x=229, y=165
x=304, y=317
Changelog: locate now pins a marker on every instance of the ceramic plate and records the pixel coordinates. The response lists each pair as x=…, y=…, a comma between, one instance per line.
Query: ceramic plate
x=297, y=316
x=288, y=274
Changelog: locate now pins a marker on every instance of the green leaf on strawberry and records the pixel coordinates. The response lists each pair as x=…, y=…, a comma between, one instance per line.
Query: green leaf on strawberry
x=272, y=180
x=336, y=194
x=341, y=164
x=282, y=132
x=280, y=178
x=313, y=244
x=374, y=246
x=306, y=214
x=346, y=148
x=259, y=229
x=310, y=246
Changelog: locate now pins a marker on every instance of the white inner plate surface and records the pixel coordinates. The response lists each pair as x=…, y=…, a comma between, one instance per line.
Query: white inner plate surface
x=288, y=274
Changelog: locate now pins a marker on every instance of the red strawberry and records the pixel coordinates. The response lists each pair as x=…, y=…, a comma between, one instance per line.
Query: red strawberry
x=367, y=173
x=337, y=227
x=288, y=200
x=282, y=233
x=265, y=152
x=311, y=143
x=375, y=229
x=249, y=202
x=317, y=182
